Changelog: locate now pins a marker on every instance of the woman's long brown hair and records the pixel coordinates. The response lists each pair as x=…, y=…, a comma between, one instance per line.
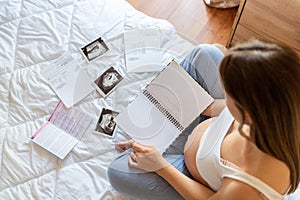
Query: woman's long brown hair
x=264, y=80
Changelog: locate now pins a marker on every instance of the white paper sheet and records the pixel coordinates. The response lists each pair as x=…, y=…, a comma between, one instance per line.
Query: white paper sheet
x=142, y=50
x=69, y=81
x=62, y=131
x=55, y=140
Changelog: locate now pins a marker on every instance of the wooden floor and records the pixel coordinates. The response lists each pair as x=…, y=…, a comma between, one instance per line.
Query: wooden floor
x=191, y=18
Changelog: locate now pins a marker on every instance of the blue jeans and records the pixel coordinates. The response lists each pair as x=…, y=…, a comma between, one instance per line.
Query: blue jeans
x=202, y=65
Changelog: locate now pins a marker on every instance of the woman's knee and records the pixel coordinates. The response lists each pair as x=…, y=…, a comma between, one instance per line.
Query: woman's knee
x=207, y=51
x=203, y=57
x=141, y=185
x=202, y=64
x=120, y=181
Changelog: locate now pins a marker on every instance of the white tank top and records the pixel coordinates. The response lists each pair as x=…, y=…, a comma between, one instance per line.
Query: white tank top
x=213, y=168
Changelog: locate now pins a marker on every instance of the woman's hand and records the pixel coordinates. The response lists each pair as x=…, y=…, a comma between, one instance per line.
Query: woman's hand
x=146, y=158
x=123, y=146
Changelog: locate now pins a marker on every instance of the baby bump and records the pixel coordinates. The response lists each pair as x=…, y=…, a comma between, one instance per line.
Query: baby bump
x=191, y=148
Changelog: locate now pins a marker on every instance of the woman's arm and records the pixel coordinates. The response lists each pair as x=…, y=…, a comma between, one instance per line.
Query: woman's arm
x=149, y=159
x=215, y=108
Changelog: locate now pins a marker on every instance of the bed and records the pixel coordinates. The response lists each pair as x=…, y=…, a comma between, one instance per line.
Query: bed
x=33, y=34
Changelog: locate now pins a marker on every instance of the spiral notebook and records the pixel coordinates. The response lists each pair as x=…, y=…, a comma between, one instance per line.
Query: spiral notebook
x=165, y=108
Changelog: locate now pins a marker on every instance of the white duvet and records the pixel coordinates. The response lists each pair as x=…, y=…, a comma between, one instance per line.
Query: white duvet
x=33, y=34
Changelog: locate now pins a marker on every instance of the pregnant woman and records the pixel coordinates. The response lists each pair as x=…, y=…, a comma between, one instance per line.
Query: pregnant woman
x=249, y=148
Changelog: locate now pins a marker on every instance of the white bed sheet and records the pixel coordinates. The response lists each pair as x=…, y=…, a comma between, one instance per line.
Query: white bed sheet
x=32, y=35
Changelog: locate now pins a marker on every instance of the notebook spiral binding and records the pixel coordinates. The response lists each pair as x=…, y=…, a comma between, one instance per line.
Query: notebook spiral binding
x=163, y=110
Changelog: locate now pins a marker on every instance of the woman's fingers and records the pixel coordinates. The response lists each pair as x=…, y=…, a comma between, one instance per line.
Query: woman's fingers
x=133, y=156
x=124, y=145
x=141, y=148
x=119, y=147
x=133, y=160
x=132, y=163
x=146, y=158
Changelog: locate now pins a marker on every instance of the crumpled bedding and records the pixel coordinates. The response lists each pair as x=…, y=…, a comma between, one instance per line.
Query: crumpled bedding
x=32, y=35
